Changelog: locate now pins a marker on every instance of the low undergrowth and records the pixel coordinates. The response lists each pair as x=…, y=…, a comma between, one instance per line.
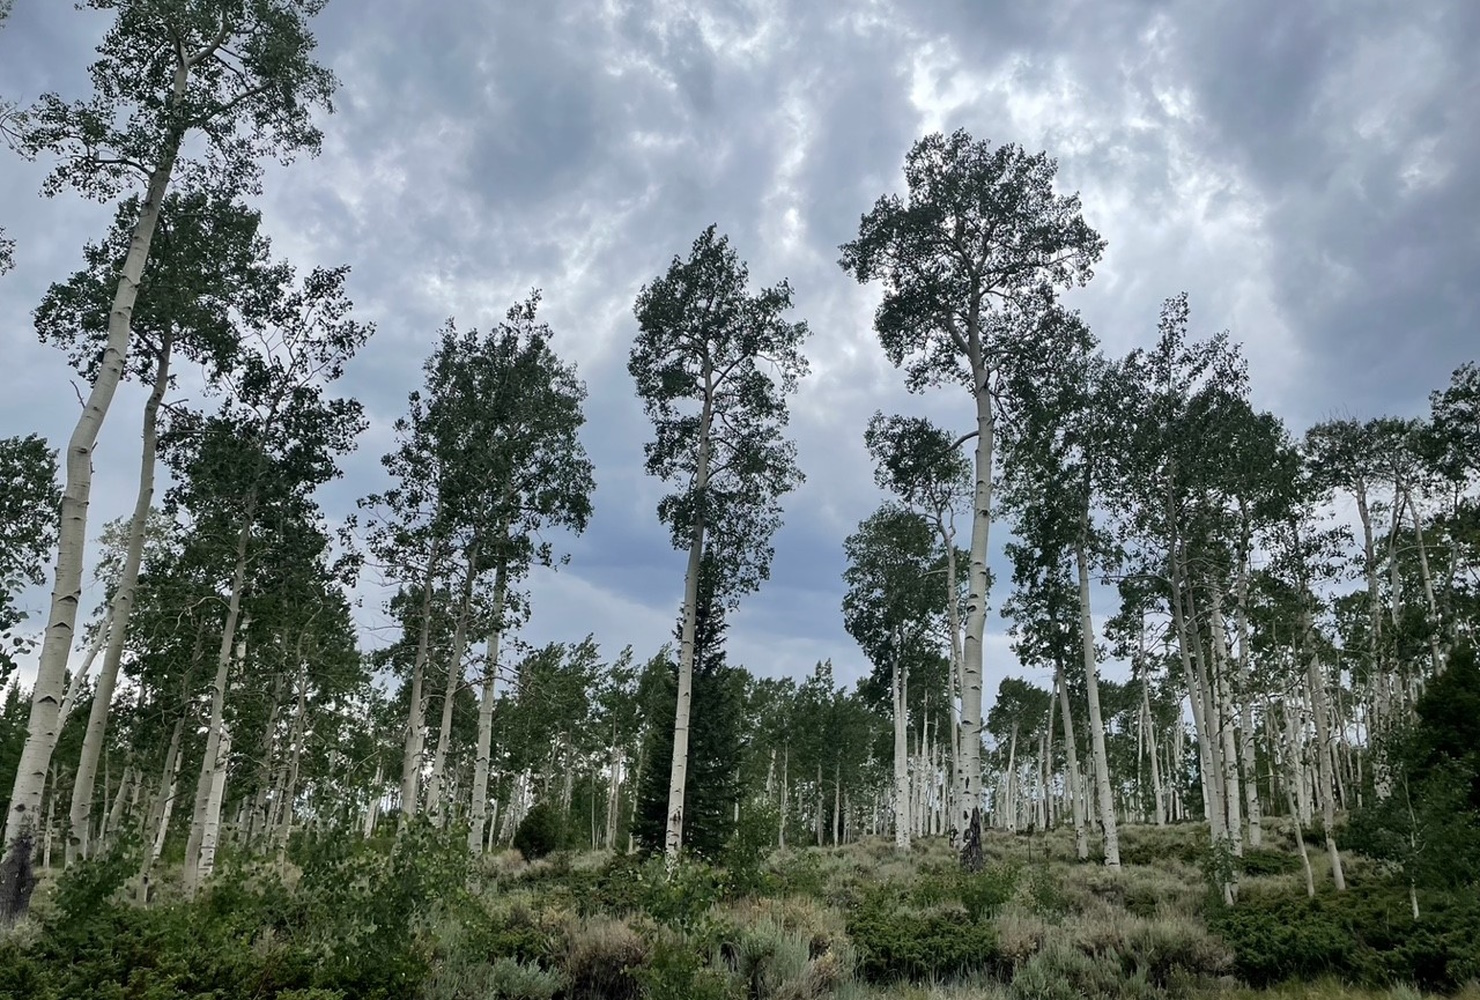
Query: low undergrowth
x=413, y=918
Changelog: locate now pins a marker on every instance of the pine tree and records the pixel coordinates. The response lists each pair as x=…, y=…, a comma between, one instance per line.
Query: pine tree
x=715, y=748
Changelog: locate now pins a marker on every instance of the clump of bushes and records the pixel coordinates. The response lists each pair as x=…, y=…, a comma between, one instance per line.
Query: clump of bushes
x=603, y=960
x=894, y=942
x=540, y=833
x=1366, y=935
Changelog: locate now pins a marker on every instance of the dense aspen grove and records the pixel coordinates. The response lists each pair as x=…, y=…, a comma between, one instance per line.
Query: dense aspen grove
x=1246, y=648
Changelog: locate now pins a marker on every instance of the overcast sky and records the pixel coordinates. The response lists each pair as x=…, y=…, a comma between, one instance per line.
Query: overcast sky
x=1307, y=171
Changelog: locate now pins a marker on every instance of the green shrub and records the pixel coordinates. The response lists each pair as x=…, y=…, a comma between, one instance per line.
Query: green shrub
x=984, y=892
x=1046, y=894
x=681, y=896
x=1365, y=935
x=1264, y=861
x=1060, y=972
x=516, y=933
x=540, y=832
x=676, y=970
x=800, y=874
x=935, y=884
x=895, y=943
x=511, y=980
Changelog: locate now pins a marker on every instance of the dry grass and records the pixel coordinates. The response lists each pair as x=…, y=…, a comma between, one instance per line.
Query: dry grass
x=600, y=958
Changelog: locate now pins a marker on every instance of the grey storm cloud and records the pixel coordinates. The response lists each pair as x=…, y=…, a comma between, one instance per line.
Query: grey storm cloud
x=1305, y=171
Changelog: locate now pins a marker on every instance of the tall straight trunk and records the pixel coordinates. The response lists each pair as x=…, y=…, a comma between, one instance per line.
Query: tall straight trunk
x=819, y=821
x=257, y=812
x=1376, y=669
x=1310, y=877
x=42, y=730
x=118, y=616
x=163, y=806
x=211, y=759
x=415, y=742
x=785, y=788
x=78, y=679
x=1216, y=817
x=123, y=803
x=1299, y=791
x=211, y=833
x=899, y=683
x=282, y=819
x=1228, y=751
x=679, y=770
x=485, y=712
x=1437, y=661
x=1011, y=791
x=1096, y=723
x=1071, y=759
x=449, y=693
x=1208, y=696
x=1158, y=789
x=372, y=809
x=614, y=792
x=1248, y=761
x=973, y=653
x=1046, y=770
x=946, y=528
x=1327, y=786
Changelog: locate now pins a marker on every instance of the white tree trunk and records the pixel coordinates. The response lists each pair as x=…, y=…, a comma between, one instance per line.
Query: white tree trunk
x=973, y=654
x=417, y=711
x=212, y=759
x=485, y=714
x=1223, y=712
x=128, y=787
x=42, y=730
x=1437, y=658
x=372, y=809
x=1072, y=786
x=946, y=527
x=900, y=682
x=118, y=617
x=435, y=796
x=679, y=770
x=1377, y=669
x=282, y=819
x=786, y=795
x=75, y=683
x=1327, y=786
x=258, y=817
x=211, y=833
x=1096, y=723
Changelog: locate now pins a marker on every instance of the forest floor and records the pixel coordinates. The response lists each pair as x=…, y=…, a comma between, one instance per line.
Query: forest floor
x=342, y=919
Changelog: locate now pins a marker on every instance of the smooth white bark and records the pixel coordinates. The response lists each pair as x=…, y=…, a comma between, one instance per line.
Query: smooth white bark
x=119, y=612
x=1096, y=723
x=415, y=741
x=479, y=814
x=213, y=758
x=899, y=684
x=679, y=770
x=42, y=729
x=1072, y=786
x=435, y=792
x=973, y=654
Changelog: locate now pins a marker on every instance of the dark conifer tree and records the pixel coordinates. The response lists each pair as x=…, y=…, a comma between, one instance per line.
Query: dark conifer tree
x=715, y=748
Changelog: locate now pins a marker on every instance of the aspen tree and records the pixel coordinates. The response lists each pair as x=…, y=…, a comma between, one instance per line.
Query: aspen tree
x=966, y=260
x=713, y=365
x=238, y=75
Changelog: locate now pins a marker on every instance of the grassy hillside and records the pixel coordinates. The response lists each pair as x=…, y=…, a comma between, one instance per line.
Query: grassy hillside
x=414, y=920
